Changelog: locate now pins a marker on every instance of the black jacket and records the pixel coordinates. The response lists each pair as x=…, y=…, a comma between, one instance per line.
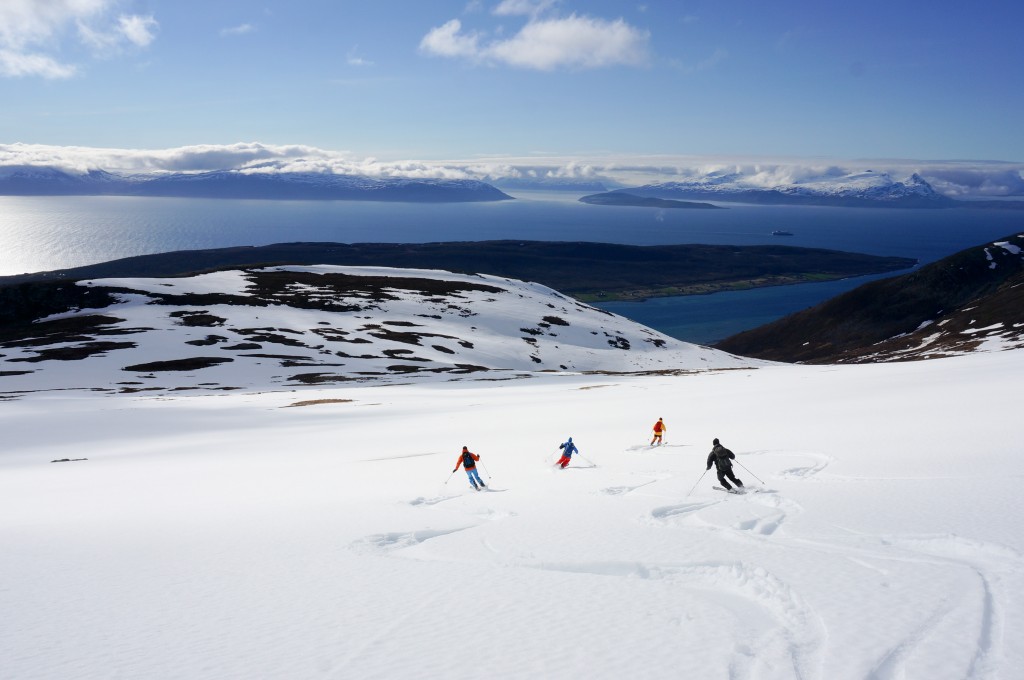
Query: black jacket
x=721, y=457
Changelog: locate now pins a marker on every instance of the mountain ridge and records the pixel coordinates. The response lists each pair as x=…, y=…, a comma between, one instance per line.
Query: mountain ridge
x=969, y=300
x=251, y=183
x=590, y=271
x=867, y=189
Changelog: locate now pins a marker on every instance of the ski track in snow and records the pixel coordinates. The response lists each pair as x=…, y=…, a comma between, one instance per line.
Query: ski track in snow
x=777, y=585
x=621, y=490
x=798, y=634
x=804, y=472
x=950, y=553
x=398, y=540
x=997, y=560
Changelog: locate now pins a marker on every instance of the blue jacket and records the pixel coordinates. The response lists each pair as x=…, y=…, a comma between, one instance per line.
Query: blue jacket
x=568, y=448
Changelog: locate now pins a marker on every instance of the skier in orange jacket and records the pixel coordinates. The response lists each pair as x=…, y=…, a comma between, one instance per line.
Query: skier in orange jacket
x=468, y=459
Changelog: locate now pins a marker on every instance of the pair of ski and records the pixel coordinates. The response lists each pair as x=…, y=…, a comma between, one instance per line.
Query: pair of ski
x=739, y=492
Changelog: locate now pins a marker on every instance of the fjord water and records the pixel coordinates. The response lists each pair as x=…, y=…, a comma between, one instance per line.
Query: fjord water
x=47, y=233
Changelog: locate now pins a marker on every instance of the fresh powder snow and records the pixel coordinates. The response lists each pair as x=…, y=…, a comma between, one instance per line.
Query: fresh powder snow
x=317, y=531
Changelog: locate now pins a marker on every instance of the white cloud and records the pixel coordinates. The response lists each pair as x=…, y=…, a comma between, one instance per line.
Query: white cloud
x=26, y=23
x=574, y=42
x=15, y=64
x=530, y=8
x=546, y=44
x=138, y=30
x=447, y=41
x=353, y=58
x=241, y=29
x=200, y=157
x=967, y=180
x=109, y=39
x=32, y=33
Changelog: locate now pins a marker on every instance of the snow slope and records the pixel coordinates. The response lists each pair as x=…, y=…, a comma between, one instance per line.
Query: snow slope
x=294, y=326
x=320, y=533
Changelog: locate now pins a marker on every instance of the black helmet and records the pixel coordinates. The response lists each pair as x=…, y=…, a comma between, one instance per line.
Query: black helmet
x=715, y=442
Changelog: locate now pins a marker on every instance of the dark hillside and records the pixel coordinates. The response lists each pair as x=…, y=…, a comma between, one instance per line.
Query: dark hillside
x=587, y=271
x=949, y=306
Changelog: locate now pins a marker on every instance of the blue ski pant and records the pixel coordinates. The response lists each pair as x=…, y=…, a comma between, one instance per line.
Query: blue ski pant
x=472, y=473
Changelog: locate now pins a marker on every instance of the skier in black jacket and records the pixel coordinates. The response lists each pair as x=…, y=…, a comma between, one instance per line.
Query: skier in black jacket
x=722, y=459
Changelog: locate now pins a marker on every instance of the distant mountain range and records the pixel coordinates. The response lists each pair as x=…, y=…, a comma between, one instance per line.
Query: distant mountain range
x=864, y=189
x=269, y=181
x=253, y=183
x=969, y=300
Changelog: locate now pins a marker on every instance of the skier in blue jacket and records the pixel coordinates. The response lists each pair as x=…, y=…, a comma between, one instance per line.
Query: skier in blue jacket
x=568, y=448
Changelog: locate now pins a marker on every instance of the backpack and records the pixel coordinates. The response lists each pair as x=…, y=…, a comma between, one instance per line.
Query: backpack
x=467, y=460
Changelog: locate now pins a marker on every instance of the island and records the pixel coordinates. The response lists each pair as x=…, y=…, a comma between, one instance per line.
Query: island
x=627, y=199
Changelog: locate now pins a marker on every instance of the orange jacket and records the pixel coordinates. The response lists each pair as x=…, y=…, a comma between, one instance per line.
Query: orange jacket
x=471, y=455
x=659, y=426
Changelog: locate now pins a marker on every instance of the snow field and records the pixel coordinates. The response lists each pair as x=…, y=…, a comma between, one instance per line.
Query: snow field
x=229, y=536
x=265, y=339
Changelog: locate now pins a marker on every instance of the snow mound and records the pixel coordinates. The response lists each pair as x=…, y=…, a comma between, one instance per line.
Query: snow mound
x=291, y=326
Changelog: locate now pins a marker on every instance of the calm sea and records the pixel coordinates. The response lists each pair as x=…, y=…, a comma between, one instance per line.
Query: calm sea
x=46, y=233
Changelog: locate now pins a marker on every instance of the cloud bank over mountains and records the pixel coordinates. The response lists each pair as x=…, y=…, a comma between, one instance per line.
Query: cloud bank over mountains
x=956, y=179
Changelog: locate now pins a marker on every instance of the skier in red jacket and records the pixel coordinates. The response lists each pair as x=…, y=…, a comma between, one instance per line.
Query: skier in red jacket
x=659, y=429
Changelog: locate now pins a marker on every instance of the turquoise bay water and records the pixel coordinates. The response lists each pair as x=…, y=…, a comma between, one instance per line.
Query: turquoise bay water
x=46, y=233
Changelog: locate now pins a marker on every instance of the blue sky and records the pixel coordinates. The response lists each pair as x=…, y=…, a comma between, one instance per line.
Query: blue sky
x=464, y=79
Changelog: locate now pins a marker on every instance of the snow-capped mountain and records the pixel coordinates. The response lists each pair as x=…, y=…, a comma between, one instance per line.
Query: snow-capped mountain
x=293, y=326
x=866, y=188
x=253, y=182
x=311, y=186
x=43, y=180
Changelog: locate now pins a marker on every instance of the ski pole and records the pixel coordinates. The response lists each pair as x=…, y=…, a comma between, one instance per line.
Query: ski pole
x=698, y=482
x=592, y=463
x=489, y=475
x=752, y=474
x=449, y=478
